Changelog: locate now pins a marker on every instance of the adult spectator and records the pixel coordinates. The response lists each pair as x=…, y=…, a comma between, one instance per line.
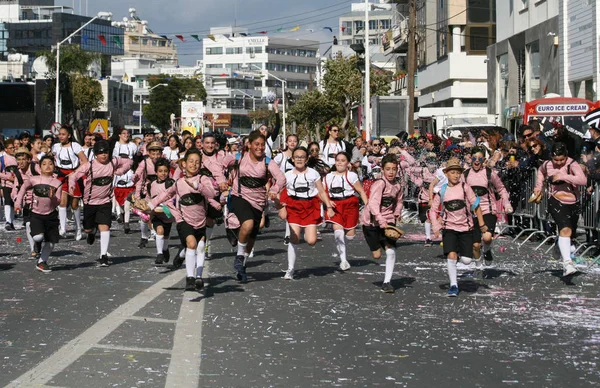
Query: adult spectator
x=331, y=145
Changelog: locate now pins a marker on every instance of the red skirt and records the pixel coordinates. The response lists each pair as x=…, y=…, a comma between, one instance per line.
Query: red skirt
x=121, y=194
x=302, y=212
x=63, y=176
x=346, y=213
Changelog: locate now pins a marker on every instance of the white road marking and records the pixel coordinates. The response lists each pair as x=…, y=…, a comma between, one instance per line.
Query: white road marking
x=133, y=349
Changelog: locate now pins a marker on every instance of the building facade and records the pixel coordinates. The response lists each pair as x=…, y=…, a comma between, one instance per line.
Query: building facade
x=352, y=25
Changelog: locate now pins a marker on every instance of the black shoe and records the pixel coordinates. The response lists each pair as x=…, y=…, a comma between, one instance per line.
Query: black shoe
x=428, y=242
x=190, y=284
x=267, y=221
x=178, y=260
x=103, y=261
x=143, y=243
x=219, y=220
x=199, y=284
x=91, y=237
x=160, y=259
x=121, y=218
x=387, y=288
x=488, y=257
x=238, y=263
x=286, y=240
x=231, y=237
x=166, y=255
x=126, y=228
x=9, y=227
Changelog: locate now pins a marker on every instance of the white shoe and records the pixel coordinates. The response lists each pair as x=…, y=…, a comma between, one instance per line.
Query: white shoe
x=62, y=233
x=569, y=269
x=289, y=274
x=344, y=265
x=78, y=235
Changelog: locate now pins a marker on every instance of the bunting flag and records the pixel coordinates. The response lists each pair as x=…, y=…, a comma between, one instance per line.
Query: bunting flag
x=278, y=30
x=243, y=34
x=262, y=32
x=227, y=36
x=196, y=37
x=117, y=40
x=102, y=39
x=164, y=36
x=297, y=28
x=343, y=28
x=328, y=28
x=211, y=37
x=134, y=39
x=180, y=37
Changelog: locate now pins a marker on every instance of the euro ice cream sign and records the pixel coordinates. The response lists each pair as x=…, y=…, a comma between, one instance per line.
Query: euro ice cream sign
x=560, y=109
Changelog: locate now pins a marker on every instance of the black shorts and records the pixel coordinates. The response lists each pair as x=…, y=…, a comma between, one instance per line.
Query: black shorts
x=26, y=214
x=94, y=215
x=423, y=211
x=6, y=191
x=184, y=230
x=244, y=212
x=564, y=216
x=375, y=237
x=158, y=221
x=489, y=220
x=45, y=224
x=459, y=242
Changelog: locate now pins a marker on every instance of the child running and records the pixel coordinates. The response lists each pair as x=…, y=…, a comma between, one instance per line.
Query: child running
x=301, y=205
x=384, y=208
x=286, y=163
x=26, y=169
x=342, y=186
x=46, y=195
x=458, y=202
x=161, y=222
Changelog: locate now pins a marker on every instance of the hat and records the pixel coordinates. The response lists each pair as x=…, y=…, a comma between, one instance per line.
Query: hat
x=593, y=119
x=233, y=140
x=101, y=147
x=22, y=150
x=455, y=134
x=393, y=233
x=453, y=164
x=155, y=146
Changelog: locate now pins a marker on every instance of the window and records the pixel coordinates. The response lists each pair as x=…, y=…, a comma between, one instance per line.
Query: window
x=145, y=42
x=479, y=38
x=233, y=50
x=214, y=66
x=479, y=11
x=358, y=25
x=214, y=50
x=347, y=28
x=254, y=50
x=533, y=73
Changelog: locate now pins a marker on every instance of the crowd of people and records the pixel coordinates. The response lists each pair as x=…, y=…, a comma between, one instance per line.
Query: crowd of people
x=462, y=185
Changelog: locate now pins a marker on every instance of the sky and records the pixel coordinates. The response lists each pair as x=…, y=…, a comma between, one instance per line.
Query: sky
x=188, y=17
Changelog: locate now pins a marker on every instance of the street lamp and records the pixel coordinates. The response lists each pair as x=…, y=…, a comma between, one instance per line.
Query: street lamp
x=253, y=104
x=142, y=100
x=107, y=15
x=283, y=83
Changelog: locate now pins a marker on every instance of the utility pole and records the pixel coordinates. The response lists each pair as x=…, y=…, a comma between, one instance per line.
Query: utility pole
x=412, y=63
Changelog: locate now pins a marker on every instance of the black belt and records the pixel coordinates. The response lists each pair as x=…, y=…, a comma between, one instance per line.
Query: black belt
x=252, y=183
x=102, y=181
x=191, y=199
x=480, y=190
x=387, y=201
x=301, y=198
x=455, y=205
x=343, y=198
x=42, y=190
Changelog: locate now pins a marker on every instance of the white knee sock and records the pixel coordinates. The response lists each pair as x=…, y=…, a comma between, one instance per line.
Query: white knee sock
x=190, y=263
x=62, y=217
x=104, y=241
x=291, y=256
x=28, y=234
x=200, y=258
x=452, y=272
x=46, y=251
x=182, y=253
x=77, y=217
x=340, y=244
x=209, y=232
x=564, y=244
x=428, y=230
x=144, y=230
x=8, y=214
x=241, y=251
x=390, y=261
x=127, y=212
x=160, y=242
x=287, y=229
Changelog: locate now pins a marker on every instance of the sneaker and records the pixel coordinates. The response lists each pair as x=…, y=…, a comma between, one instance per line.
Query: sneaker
x=160, y=259
x=91, y=237
x=289, y=274
x=43, y=267
x=9, y=227
x=453, y=291
x=344, y=265
x=488, y=258
x=62, y=233
x=286, y=240
x=387, y=288
x=199, y=283
x=238, y=263
x=190, y=284
x=103, y=261
x=428, y=242
x=569, y=269
x=231, y=237
x=78, y=235
x=143, y=243
x=126, y=228
x=166, y=255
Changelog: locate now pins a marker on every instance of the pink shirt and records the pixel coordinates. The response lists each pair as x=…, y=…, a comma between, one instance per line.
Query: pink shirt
x=257, y=197
x=25, y=174
x=10, y=163
x=193, y=214
x=41, y=204
x=156, y=189
x=568, y=190
x=422, y=178
x=98, y=179
x=145, y=169
x=385, y=204
x=215, y=164
x=460, y=220
x=478, y=179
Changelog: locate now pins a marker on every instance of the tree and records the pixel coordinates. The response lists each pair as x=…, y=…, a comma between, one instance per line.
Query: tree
x=166, y=100
x=74, y=64
x=312, y=110
x=343, y=84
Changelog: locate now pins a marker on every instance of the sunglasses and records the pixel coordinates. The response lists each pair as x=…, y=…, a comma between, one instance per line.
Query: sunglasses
x=334, y=130
x=376, y=144
x=475, y=159
x=314, y=150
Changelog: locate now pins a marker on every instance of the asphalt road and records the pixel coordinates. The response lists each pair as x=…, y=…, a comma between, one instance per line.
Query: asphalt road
x=132, y=325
